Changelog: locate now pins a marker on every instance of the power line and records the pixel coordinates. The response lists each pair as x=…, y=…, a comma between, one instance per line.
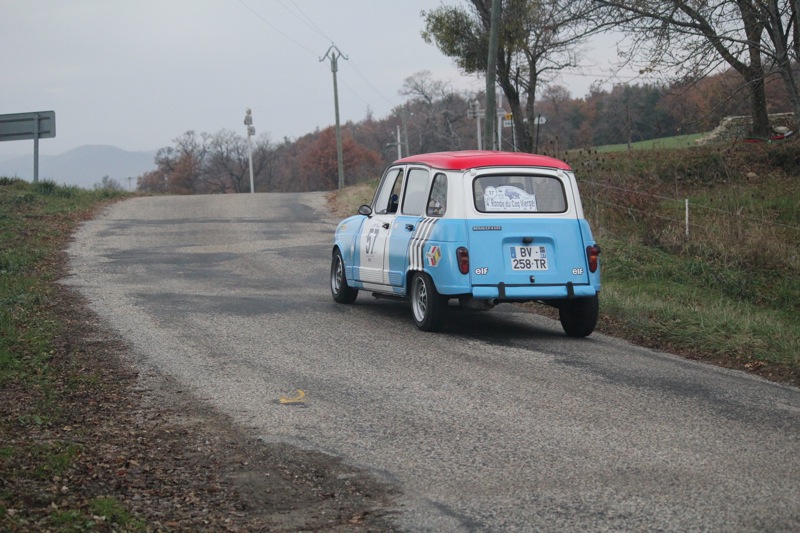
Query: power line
x=364, y=78
x=307, y=20
x=310, y=23
x=300, y=15
x=277, y=30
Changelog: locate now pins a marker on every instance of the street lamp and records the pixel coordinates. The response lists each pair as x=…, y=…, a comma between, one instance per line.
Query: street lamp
x=251, y=130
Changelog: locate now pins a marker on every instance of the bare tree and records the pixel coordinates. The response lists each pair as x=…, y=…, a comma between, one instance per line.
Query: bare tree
x=434, y=115
x=263, y=162
x=228, y=166
x=697, y=38
x=537, y=39
x=188, y=164
x=108, y=184
x=783, y=28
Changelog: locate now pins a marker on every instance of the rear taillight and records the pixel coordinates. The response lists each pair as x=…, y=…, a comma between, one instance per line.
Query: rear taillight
x=462, y=256
x=592, y=255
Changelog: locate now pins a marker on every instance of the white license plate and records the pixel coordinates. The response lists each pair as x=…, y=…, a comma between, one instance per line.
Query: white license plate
x=528, y=258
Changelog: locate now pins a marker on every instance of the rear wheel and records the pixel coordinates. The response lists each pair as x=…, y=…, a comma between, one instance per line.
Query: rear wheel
x=579, y=316
x=427, y=305
x=341, y=291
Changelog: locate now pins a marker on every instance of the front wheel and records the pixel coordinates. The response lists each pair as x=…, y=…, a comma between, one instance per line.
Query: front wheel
x=579, y=316
x=428, y=306
x=341, y=291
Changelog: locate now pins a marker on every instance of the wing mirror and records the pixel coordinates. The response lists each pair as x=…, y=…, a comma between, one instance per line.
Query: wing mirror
x=365, y=210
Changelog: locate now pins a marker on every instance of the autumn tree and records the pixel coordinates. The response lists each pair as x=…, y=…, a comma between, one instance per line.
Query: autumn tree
x=320, y=165
x=377, y=135
x=177, y=172
x=537, y=39
x=630, y=113
x=557, y=105
x=700, y=104
x=180, y=167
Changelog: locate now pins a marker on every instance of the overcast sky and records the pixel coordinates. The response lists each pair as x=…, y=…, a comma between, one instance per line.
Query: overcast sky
x=136, y=74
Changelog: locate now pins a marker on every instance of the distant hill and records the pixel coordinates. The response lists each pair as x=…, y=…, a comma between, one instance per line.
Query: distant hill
x=83, y=166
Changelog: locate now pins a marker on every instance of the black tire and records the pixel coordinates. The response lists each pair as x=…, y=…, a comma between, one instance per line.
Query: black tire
x=579, y=316
x=341, y=291
x=428, y=307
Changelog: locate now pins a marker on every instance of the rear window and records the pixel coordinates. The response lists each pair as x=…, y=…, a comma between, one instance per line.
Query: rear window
x=519, y=194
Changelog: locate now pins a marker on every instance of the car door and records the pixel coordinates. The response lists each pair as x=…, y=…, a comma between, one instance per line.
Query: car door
x=405, y=225
x=374, y=235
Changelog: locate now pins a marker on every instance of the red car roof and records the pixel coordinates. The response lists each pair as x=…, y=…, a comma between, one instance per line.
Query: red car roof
x=482, y=158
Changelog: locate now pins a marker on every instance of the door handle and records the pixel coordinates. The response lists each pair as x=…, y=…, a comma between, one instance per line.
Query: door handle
x=409, y=227
x=385, y=225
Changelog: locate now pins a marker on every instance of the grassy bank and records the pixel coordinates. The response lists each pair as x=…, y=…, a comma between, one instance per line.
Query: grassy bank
x=725, y=287
x=668, y=143
x=727, y=292
x=36, y=221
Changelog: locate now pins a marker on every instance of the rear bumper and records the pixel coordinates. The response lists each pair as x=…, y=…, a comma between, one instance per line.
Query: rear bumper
x=505, y=292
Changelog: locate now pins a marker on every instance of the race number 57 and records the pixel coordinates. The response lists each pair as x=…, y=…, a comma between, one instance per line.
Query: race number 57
x=370, y=239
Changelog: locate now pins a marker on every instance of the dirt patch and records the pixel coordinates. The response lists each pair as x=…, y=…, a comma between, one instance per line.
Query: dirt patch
x=120, y=453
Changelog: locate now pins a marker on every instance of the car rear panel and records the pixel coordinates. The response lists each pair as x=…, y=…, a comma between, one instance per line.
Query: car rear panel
x=526, y=240
x=548, y=254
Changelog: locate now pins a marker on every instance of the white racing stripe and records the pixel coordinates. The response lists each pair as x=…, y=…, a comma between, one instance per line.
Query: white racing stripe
x=417, y=244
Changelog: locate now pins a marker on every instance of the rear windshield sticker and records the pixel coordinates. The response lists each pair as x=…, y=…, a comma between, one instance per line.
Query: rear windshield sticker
x=508, y=198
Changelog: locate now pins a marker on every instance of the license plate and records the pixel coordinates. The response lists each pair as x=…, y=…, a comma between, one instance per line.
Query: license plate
x=528, y=258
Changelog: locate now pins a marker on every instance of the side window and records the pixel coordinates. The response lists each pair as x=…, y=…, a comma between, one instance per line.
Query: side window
x=437, y=203
x=416, y=192
x=389, y=193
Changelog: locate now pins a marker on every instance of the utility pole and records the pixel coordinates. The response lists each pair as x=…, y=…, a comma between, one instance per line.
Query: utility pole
x=399, y=144
x=491, y=73
x=334, y=54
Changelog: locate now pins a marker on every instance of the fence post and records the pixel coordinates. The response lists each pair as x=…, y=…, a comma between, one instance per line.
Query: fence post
x=687, y=218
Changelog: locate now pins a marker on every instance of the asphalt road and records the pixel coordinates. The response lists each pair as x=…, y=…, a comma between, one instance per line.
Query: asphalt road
x=501, y=423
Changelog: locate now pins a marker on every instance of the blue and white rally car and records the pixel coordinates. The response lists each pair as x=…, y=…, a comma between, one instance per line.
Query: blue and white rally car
x=478, y=226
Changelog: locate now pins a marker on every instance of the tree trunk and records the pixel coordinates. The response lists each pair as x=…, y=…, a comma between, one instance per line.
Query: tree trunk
x=796, y=29
x=754, y=72
x=783, y=54
x=758, y=103
x=521, y=127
